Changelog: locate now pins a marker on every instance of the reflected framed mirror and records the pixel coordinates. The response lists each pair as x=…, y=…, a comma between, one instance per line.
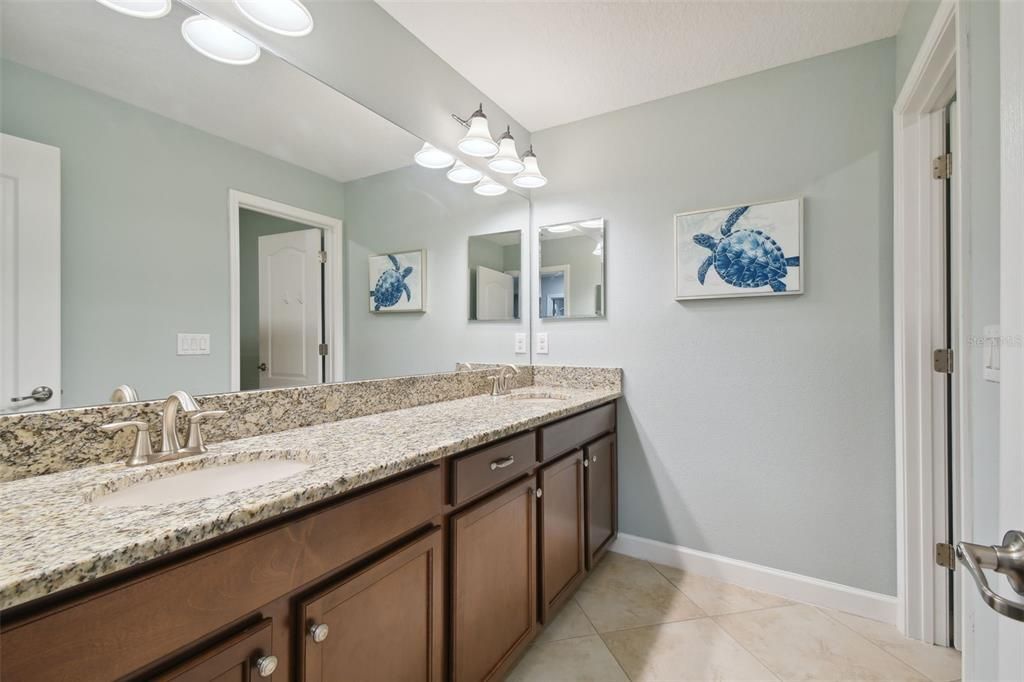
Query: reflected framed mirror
x=570, y=278
x=495, y=268
x=212, y=227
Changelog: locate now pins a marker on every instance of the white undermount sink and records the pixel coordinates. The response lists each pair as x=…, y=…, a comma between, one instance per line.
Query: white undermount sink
x=197, y=484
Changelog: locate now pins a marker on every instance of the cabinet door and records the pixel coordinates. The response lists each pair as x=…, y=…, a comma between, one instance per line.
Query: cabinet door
x=494, y=589
x=602, y=497
x=561, y=520
x=246, y=657
x=384, y=623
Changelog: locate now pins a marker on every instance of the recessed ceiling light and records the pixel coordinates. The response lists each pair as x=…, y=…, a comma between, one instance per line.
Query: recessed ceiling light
x=463, y=174
x=531, y=177
x=430, y=156
x=287, y=17
x=489, y=188
x=213, y=39
x=140, y=9
x=568, y=227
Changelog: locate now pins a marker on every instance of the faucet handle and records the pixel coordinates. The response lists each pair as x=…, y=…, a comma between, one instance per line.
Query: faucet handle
x=195, y=442
x=495, y=384
x=143, y=449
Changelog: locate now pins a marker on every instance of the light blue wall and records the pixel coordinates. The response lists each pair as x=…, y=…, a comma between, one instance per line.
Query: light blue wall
x=144, y=233
x=913, y=28
x=758, y=428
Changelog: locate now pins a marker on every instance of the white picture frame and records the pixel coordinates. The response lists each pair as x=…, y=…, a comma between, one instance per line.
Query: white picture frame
x=398, y=282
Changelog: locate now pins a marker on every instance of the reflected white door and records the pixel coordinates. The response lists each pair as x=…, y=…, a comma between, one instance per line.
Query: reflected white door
x=29, y=275
x=495, y=294
x=291, y=311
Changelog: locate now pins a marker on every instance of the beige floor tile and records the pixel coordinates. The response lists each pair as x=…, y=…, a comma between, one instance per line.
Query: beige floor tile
x=623, y=592
x=801, y=643
x=583, y=659
x=716, y=598
x=939, y=664
x=570, y=622
x=691, y=650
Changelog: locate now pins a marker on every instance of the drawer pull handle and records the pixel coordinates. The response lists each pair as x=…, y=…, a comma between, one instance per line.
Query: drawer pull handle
x=502, y=463
x=266, y=665
x=319, y=632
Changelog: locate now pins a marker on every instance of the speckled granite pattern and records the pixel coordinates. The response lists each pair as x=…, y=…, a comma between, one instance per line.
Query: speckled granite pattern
x=39, y=443
x=593, y=378
x=52, y=537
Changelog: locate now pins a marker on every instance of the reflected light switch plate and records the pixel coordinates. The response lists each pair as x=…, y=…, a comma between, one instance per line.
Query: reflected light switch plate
x=520, y=342
x=193, y=344
x=990, y=353
x=542, y=343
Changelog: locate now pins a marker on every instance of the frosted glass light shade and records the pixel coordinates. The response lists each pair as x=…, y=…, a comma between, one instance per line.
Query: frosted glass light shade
x=463, y=174
x=140, y=9
x=430, y=156
x=287, y=17
x=560, y=229
x=531, y=177
x=478, y=140
x=592, y=223
x=507, y=159
x=213, y=39
x=487, y=187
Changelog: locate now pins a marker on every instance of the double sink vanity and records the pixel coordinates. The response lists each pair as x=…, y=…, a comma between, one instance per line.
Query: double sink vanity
x=420, y=543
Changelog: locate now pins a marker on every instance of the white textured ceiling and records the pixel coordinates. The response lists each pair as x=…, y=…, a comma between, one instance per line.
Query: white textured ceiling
x=269, y=106
x=548, y=63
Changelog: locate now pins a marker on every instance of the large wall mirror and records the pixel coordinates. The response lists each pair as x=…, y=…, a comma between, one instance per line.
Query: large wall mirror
x=495, y=267
x=213, y=227
x=571, y=275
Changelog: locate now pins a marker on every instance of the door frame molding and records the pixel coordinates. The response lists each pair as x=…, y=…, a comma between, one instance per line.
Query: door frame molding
x=333, y=285
x=939, y=71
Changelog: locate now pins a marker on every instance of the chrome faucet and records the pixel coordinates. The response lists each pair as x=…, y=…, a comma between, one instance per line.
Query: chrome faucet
x=504, y=381
x=171, y=448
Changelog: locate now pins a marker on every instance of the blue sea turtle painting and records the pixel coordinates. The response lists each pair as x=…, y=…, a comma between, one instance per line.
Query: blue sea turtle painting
x=745, y=258
x=390, y=285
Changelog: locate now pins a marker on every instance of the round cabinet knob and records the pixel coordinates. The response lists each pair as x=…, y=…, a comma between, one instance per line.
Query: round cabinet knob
x=540, y=493
x=266, y=665
x=319, y=632
x=593, y=458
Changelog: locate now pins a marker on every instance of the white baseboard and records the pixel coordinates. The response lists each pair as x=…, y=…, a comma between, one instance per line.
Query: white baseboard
x=793, y=586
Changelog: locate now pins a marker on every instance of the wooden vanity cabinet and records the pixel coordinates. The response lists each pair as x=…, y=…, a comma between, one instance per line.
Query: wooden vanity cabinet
x=561, y=532
x=385, y=622
x=493, y=582
x=245, y=657
x=602, y=508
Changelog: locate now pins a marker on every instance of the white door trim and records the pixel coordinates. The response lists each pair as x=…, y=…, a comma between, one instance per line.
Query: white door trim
x=939, y=71
x=333, y=296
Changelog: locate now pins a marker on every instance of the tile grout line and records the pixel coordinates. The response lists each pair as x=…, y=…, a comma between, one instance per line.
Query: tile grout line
x=599, y=635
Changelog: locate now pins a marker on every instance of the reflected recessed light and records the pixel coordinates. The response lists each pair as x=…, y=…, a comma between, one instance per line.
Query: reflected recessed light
x=489, y=188
x=596, y=222
x=141, y=9
x=213, y=39
x=463, y=174
x=430, y=156
x=568, y=227
x=287, y=17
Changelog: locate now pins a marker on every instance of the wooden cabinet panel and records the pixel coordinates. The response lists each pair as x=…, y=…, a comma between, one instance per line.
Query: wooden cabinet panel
x=113, y=633
x=385, y=623
x=571, y=433
x=492, y=466
x=560, y=529
x=494, y=591
x=602, y=497
x=236, y=659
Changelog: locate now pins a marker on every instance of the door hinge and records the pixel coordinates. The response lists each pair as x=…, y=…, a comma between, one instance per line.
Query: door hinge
x=323, y=256
x=322, y=349
x=942, y=360
x=942, y=167
x=945, y=555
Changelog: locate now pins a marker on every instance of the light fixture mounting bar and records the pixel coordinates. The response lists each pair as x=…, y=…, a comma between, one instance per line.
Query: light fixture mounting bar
x=464, y=122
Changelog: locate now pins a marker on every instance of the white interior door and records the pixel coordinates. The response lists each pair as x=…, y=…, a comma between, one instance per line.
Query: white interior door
x=495, y=294
x=291, y=311
x=29, y=275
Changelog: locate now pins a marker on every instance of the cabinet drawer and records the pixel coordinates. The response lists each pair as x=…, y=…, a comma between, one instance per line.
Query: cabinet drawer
x=248, y=656
x=567, y=435
x=488, y=468
x=159, y=613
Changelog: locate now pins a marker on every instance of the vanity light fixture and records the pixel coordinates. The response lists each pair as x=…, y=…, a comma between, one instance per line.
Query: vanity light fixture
x=531, y=177
x=213, y=39
x=477, y=141
x=507, y=160
x=489, y=188
x=140, y=9
x=560, y=229
x=463, y=174
x=286, y=17
x=430, y=156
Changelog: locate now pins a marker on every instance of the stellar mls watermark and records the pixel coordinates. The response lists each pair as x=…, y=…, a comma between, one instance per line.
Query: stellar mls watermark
x=1004, y=341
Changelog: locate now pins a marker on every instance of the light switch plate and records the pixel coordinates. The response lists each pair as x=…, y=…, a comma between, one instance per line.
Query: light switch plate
x=520, y=342
x=193, y=344
x=542, y=343
x=990, y=353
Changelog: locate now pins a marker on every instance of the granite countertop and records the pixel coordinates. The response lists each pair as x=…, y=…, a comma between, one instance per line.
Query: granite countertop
x=52, y=537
